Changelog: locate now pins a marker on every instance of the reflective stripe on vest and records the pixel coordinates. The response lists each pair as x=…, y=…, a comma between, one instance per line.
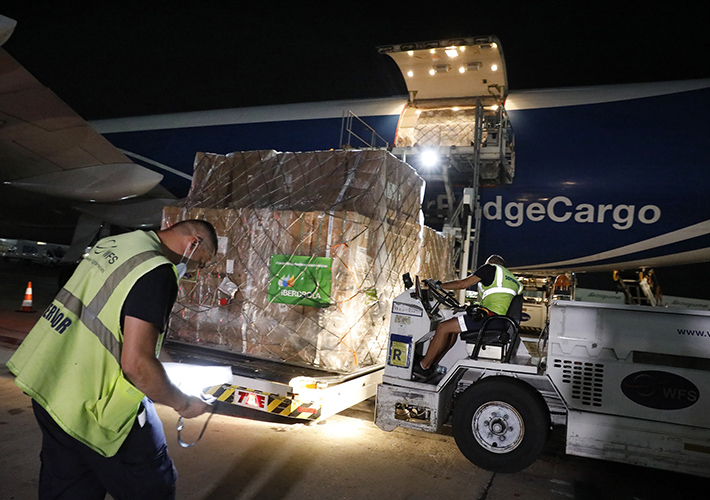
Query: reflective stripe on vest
x=70, y=360
x=88, y=315
x=498, y=288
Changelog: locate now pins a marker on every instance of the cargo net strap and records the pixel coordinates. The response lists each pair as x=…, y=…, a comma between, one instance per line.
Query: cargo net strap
x=312, y=247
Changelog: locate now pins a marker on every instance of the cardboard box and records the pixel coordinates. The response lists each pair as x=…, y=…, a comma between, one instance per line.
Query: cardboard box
x=370, y=249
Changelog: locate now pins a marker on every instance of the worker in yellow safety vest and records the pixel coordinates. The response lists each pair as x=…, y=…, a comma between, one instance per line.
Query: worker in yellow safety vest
x=496, y=288
x=90, y=365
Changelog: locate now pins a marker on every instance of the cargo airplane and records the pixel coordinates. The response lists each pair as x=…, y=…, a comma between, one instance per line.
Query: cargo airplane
x=606, y=177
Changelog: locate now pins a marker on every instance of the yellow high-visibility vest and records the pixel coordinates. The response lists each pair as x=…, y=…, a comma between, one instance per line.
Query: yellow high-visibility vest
x=70, y=362
x=497, y=296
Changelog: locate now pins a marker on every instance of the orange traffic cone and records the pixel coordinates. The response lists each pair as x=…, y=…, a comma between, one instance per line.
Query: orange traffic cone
x=27, y=303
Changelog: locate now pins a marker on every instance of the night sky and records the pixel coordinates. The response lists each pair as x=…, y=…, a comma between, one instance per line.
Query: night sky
x=127, y=59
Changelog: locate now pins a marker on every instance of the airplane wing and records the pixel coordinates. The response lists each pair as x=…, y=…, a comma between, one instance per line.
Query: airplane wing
x=579, y=96
x=51, y=158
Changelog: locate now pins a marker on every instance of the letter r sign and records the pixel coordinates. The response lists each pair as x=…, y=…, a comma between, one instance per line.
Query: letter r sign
x=399, y=351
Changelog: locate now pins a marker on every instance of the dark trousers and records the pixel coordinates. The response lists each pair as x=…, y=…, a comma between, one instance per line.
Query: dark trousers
x=142, y=468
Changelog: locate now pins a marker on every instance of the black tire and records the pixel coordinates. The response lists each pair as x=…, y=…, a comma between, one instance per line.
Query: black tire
x=520, y=418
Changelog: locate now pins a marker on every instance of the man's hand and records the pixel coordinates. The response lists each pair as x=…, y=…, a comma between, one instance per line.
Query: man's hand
x=194, y=407
x=143, y=369
x=432, y=283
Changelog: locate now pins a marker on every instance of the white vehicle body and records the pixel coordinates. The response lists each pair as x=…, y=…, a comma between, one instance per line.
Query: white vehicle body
x=629, y=382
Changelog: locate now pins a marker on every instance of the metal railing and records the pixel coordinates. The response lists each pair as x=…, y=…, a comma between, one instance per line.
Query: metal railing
x=353, y=127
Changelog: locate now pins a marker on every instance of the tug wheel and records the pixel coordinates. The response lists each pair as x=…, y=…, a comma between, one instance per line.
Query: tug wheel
x=501, y=424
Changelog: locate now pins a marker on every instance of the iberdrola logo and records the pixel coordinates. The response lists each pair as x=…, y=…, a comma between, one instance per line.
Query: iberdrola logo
x=287, y=282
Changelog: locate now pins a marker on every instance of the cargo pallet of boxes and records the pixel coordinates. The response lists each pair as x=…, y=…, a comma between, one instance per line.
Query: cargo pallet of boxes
x=312, y=250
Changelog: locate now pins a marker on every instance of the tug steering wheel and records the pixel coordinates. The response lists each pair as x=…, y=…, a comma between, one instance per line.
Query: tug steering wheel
x=441, y=297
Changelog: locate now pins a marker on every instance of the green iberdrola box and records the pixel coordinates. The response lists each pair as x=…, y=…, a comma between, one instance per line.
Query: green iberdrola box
x=300, y=280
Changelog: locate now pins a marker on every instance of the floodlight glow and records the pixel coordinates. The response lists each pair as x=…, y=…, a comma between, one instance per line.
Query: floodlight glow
x=191, y=379
x=451, y=52
x=494, y=67
x=410, y=52
x=432, y=72
x=342, y=429
x=462, y=69
x=455, y=108
x=429, y=158
x=410, y=73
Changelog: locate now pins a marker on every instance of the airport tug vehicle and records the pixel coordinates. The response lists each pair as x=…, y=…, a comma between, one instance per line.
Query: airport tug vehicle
x=630, y=383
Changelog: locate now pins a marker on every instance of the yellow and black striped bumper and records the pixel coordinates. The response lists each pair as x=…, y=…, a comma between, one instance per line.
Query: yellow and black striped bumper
x=274, y=404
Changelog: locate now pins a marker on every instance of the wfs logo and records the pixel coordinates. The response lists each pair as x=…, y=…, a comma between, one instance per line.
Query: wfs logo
x=287, y=282
x=660, y=390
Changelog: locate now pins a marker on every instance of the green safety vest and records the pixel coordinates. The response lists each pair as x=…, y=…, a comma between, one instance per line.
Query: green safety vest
x=497, y=296
x=70, y=362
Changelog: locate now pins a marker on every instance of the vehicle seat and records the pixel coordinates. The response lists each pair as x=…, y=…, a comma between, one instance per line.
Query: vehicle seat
x=500, y=331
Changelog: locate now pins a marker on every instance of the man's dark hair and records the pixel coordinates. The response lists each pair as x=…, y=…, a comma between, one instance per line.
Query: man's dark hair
x=496, y=259
x=200, y=228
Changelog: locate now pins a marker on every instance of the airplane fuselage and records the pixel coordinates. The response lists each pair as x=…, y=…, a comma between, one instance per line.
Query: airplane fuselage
x=612, y=177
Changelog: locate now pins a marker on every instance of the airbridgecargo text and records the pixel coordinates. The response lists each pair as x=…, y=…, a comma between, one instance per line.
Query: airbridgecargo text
x=561, y=209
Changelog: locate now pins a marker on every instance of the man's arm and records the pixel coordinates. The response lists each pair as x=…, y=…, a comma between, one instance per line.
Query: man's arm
x=143, y=369
x=461, y=284
x=485, y=274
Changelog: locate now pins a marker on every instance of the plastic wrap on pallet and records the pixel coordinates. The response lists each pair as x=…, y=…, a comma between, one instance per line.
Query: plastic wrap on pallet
x=371, y=182
x=359, y=208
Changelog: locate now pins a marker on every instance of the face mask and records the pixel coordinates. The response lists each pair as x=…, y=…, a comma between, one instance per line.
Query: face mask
x=181, y=266
x=181, y=269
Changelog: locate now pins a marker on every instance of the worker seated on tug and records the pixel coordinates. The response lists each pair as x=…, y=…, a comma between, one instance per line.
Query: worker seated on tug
x=496, y=286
